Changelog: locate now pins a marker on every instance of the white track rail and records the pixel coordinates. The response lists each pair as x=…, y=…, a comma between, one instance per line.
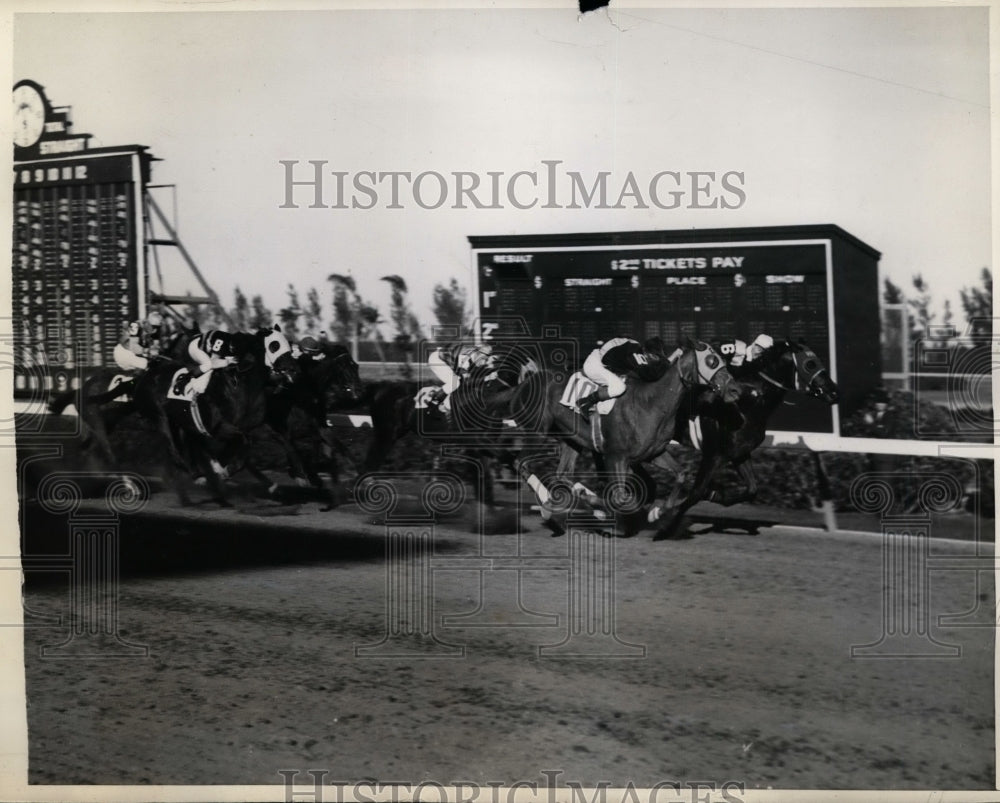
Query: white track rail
x=811, y=441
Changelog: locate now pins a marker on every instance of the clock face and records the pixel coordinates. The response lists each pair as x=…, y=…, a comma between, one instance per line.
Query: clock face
x=29, y=115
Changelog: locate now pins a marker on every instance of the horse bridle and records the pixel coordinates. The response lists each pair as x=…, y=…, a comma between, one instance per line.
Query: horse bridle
x=710, y=360
x=800, y=384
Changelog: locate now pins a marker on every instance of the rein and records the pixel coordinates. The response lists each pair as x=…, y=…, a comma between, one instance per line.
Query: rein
x=775, y=382
x=799, y=385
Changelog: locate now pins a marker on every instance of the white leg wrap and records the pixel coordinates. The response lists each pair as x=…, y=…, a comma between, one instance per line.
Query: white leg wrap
x=540, y=490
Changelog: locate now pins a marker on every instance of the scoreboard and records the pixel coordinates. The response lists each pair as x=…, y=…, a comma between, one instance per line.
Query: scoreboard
x=78, y=264
x=816, y=284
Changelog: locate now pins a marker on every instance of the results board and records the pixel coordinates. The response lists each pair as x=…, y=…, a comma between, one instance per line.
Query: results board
x=77, y=263
x=713, y=292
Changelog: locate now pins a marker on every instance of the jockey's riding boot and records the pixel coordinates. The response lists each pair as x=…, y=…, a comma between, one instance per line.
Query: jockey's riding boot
x=584, y=405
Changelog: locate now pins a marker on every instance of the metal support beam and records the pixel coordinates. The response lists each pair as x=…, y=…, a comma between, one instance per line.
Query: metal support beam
x=172, y=236
x=158, y=298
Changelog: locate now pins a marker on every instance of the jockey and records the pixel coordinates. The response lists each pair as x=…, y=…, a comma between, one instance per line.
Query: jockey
x=738, y=352
x=608, y=365
x=210, y=350
x=138, y=343
x=309, y=347
x=452, y=364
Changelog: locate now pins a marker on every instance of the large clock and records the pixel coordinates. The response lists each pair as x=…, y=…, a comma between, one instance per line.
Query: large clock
x=29, y=114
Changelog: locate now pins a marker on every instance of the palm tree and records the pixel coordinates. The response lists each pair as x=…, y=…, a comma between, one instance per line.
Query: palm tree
x=362, y=314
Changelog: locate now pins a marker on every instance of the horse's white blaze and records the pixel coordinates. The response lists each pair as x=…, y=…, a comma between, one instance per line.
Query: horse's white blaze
x=218, y=468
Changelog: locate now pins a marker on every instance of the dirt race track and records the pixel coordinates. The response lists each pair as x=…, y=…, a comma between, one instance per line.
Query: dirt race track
x=272, y=641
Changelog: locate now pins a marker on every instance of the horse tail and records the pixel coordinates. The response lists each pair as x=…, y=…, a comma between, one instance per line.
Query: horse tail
x=62, y=401
x=110, y=395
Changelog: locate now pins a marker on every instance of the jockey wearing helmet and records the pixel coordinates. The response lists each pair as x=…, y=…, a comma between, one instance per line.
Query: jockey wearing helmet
x=738, y=352
x=608, y=365
x=210, y=350
x=309, y=347
x=138, y=343
x=451, y=364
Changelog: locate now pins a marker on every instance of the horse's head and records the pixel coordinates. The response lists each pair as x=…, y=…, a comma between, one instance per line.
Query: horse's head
x=700, y=364
x=342, y=382
x=811, y=376
x=798, y=368
x=277, y=354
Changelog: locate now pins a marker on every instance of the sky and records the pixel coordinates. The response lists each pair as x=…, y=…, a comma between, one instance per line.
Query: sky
x=874, y=119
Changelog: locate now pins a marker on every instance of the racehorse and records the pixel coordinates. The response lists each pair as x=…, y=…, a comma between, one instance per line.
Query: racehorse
x=213, y=429
x=323, y=384
x=395, y=411
x=101, y=417
x=784, y=368
x=638, y=428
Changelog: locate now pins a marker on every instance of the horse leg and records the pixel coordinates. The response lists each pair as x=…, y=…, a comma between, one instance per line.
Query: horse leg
x=216, y=478
x=488, y=498
x=522, y=465
x=620, y=495
x=211, y=455
x=93, y=418
x=298, y=467
x=648, y=502
x=335, y=447
x=747, y=494
x=707, y=469
x=176, y=467
x=170, y=435
x=266, y=483
x=390, y=421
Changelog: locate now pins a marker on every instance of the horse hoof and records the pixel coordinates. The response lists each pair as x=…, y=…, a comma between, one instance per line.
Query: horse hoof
x=201, y=482
x=302, y=482
x=555, y=527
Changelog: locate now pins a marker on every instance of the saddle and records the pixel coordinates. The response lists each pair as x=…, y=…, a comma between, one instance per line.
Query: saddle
x=120, y=379
x=579, y=386
x=185, y=388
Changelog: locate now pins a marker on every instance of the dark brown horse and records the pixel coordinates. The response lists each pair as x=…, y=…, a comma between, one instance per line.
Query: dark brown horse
x=637, y=430
x=211, y=432
x=102, y=413
x=474, y=432
x=325, y=381
x=784, y=368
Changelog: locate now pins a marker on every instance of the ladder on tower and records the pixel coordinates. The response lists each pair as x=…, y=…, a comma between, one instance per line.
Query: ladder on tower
x=152, y=212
